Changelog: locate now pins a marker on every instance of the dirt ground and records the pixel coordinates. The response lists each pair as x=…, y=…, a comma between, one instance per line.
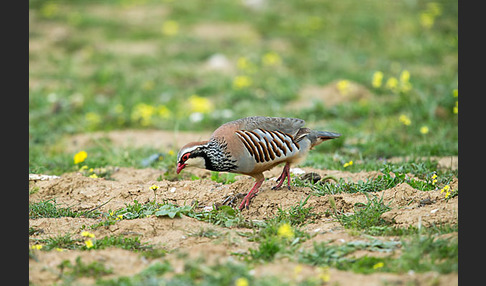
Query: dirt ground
x=175, y=235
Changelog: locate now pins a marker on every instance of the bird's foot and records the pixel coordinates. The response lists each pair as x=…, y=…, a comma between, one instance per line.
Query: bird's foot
x=278, y=187
x=246, y=201
x=230, y=200
x=252, y=193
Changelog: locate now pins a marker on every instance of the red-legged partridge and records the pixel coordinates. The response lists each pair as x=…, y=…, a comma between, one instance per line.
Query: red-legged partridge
x=251, y=146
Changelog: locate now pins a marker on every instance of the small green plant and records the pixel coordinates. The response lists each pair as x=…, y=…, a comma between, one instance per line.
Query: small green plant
x=206, y=232
x=298, y=214
x=276, y=237
x=365, y=215
x=222, y=215
x=224, y=178
x=80, y=269
x=50, y=209
x=172, y=211
x=63, y=242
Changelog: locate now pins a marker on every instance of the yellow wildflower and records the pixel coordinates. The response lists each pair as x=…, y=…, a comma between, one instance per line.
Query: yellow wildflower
x=246, y=65
x=271, y=59
x=285, y=231
x=241, y=82
x=377, y=79
x=347, y=164
x=170, y=28
x=427, y=17
x=119, y=217
x=298, y=269
x=455, y=92
x=378, y=265
x=405, y=84
x=59, y=249
x=80, y=157
x=163, y=111
x=87, y=234
x=36, y=246
x=447, y=190
x=154, y=187
x=343, y=86
x=455, y=109
x=242, y=281
x=405, y=120
x=93, y=119
x=427, y=20
x=424, y=129
x=242, y=63
x=49, y=10
x=324, y=274
x=94, y=176
x=84, y=167
x=143, y=112
x=88, y=243
x=392, y=84
x=200, y=104
x=405, y=76
x=434, y=179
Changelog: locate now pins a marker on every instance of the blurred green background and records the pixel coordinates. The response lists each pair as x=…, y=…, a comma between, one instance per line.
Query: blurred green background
x=382, y=73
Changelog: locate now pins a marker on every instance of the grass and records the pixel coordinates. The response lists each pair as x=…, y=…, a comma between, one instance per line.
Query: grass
x=128, y=88
x=80, y=269
x=366, y=215
x=101, y=66
x=50, y=209
x=67, y=242
x=392, y=175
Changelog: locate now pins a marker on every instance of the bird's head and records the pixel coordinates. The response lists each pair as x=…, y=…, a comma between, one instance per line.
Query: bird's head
x=192, y=155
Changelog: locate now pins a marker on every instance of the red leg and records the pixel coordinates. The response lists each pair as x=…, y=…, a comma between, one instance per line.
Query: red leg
x=281, y=178
x=251, y=194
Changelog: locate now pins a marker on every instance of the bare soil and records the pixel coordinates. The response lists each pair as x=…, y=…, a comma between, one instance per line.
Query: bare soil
x=409, y=207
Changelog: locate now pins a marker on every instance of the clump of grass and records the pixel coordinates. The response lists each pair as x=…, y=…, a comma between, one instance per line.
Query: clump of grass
x=206, y=232
x=391, y=177
x=420, y=253
x=50, y=209
x=297, y=215
x=66, y=241
x=79, y=269
x=280, y=235
x=148, y=276
x=223, y=215
x=365, y=215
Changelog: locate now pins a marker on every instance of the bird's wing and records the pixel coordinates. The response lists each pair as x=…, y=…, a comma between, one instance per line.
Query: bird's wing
x=287, y=125
x=268, y=146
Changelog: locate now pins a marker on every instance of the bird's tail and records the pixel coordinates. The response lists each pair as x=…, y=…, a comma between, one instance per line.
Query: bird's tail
x=317, y=137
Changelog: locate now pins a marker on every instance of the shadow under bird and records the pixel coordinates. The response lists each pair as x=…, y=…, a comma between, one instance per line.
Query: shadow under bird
x=251, y=146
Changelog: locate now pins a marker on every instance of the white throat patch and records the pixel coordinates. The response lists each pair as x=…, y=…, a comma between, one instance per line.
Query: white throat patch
x=197, y=162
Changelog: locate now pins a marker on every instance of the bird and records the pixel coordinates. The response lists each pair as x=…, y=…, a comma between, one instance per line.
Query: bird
x=252, y=145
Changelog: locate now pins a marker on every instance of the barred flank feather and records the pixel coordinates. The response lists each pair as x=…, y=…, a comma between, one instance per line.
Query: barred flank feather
x=266, y=146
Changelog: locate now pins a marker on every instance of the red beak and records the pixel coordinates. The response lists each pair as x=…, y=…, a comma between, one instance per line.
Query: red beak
x=180, y=167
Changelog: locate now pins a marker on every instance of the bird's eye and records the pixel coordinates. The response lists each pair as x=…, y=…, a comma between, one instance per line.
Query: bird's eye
x=185, y=157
